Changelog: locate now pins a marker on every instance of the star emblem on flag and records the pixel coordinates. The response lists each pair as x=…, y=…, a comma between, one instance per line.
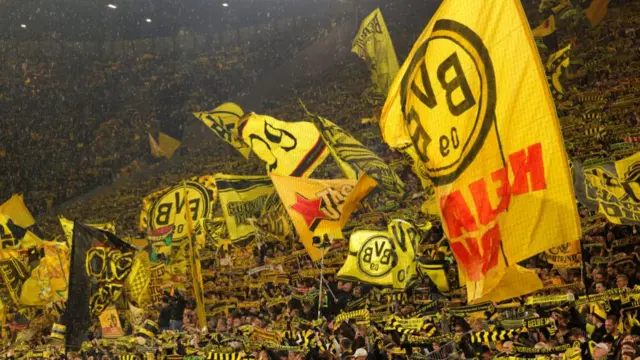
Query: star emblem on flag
x=309, y=209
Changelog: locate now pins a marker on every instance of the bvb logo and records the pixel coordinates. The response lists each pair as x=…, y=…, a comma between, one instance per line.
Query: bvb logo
x=448, y=98
x=376, y=257
x=171, y=208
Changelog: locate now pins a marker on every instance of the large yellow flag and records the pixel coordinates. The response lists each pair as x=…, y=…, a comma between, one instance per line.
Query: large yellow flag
x=320, y=208
x=473, y=101
x=373, y=44
x=597, y=11
x=168, y=206
x=15, y=210
x=288, y=148
x=222, y=121
x=242, y=199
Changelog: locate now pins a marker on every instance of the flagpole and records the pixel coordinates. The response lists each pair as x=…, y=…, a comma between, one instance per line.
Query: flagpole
x=321, y=280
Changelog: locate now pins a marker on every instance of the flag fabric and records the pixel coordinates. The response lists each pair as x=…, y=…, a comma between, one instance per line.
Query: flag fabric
x=435, y=270
x=13, y=273
x=597, y=11
x=168, y=207
x=15, y=210
x=156, y=151
x=222, y=121
x=611, y=189
x=67, y=227
x=288, y=148
x=556, y=67
x=99, y=265
x=547, y=27
x=382, y=258
x=275, y=221
x=196, y=271
x=48, y=282
x=138, y=281
x=373, y=44
x=166, y=146
x=110, y=323
x=160, y=244
x=320, y=208
x=496, y=144
x=242, y=198
x=567, y=255
x=355, y=159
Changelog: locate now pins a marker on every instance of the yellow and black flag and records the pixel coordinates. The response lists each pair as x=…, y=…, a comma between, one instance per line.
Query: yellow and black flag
x=383, y=258
x=100, y=264
x=168, y=206
x=355, y=159
x=373, y=44
x=319, y=209
x=556, y=68
x=288, y=148
x=223, y=121
x=165, y=147
x=242, y=198
x=275, y=222
x=485, y=127
x=611, y=189
x=436, y=271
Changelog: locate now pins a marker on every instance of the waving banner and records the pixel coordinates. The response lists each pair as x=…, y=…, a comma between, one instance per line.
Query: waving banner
x=613, y=189
x=288, y=148
x=242, y=198
x=168, y=206
x=355, y=159
x=373, y=44
x=222, y=121
x=486, y=129
x=320, y=208
x=567, y=255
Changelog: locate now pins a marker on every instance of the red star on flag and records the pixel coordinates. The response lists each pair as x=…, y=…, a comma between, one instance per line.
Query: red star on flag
x=309, y=209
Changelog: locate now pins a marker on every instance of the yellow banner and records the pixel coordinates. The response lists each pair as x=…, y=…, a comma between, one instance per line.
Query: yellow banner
x=485, y=127
x=15, y=210
x=373, y=44
x=612, y=189
x=48, y=282
x=567, y=255
x=169, y=207
x=320, y=208
x=222, y=121
x=288, y=148
x=110, y=323
x=242, y=199
x=383, y=258
x=556, y=67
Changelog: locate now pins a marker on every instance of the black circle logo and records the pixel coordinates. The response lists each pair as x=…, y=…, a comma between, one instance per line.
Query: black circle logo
x=376, y=258
x=448, y=99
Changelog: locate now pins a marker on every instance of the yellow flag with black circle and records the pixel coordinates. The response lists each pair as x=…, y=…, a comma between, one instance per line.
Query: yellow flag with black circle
x=383, y=258
x=222, y=121
x=169, y=207
x=373, y=44
x=320, y=208
x=473, y=101
x=242, y=199
x=288, y=148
